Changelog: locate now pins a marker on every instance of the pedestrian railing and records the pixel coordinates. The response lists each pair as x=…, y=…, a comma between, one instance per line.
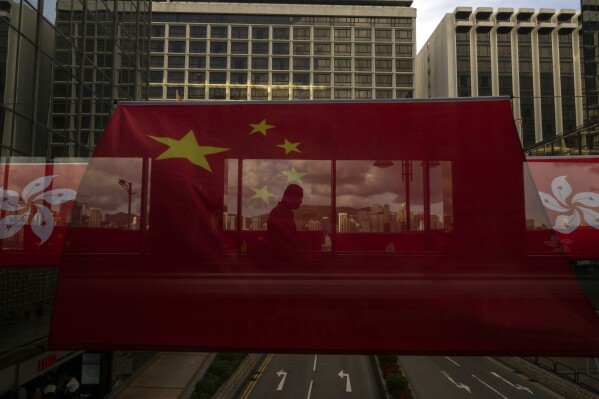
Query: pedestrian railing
x=584, y=380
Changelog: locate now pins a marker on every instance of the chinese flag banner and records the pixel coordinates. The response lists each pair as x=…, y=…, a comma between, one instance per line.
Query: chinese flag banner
x=350, y=227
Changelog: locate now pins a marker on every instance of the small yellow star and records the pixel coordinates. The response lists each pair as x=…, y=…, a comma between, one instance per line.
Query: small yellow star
x=261, y=127
x=289, y=146
x=188, y=147
x=294, y=175
x=262, y=194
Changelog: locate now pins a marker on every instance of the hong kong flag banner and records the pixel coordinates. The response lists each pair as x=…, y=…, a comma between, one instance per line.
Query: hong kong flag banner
x=353, y=227
x=36, y=201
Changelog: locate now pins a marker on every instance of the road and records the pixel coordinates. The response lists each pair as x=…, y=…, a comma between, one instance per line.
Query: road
x=468, y=377
x=314, y=377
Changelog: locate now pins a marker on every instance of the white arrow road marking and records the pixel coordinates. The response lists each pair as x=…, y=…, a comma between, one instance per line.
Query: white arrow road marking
x=517, y=386
x=453, y=361
x=348, y=384
x=284, y=375
x=490, y=387
x=461, y=386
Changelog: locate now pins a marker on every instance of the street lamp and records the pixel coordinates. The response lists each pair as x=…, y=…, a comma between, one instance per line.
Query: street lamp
x=128, y=186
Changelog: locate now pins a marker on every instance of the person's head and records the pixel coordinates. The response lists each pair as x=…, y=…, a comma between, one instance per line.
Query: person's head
x=293, y=196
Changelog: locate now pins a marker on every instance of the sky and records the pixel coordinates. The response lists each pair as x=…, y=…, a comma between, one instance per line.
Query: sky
x=430, y=12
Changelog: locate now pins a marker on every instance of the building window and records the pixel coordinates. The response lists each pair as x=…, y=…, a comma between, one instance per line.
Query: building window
x=363, y=49
x=197, y=62
x=322, y=49
x=239, y=47
x=301, y=79
x=259, y=63
x=219, y=32
x=322, y=64
x=259, y=78
x=239, y=63
x=176, y=61
x=176, y=46
x=301, y=33
x=321, y=79
x=383, y=65
x=218, y=78
x=280, y=94
x=343, y=64
x=363, y=80
x=384, y=94
x=280, y=48
x=301, y=48
x=239, y=32
x=155, y=77
x=259, y=94
x=301, y=94
x=342, y=49
x=197, y=31
x=403, y=65
x=157, y=31
x=239, y=78
x=383, y=50
x=363, y=94
x=322, y=34
x=403, y=50
x=177, y=31
x=362, y=64
x=384, y=80
x=196, y=77
x=280, y=33
x=343, y=34
x=196, y=93
x=322, y=93
x=259, y=48
x=157, y=61
x=218, y=47
x=382, y=35
x=342, y=79
x=280, y=64
x=217, y=93
x=362, y=34
x=403, y=80
x=197, y=47
x=157, y=46
x=218, y=62
x=402, y=35
x=342, y=93
x=238, y=93
x=404, y=94
x=260, y=33
x=280, y=79
x=301, y=64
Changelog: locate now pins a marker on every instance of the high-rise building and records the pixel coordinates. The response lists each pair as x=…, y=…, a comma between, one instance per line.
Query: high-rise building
x=63, y=65
x=590, y=39
x=101, y=58
x=531, y=55
x=282, y=50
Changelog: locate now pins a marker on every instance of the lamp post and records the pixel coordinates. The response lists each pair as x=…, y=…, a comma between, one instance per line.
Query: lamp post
x=128, y=186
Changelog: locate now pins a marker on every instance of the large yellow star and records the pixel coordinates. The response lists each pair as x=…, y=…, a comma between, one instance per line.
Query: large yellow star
x=188, y=148
x=289, y=146
x=262, y=194
x=261, y=127
x=294, y=175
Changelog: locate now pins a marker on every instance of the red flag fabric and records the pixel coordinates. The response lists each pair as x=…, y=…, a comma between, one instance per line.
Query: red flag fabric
x=36, y=201
x=411, y=236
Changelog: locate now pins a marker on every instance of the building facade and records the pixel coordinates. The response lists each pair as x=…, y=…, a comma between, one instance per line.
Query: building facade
x=533, y=56
x=282, y=50
x=63, y=66
x=590, y=32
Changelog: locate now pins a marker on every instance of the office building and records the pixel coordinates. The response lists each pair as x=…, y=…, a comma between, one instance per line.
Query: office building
x=360, y=49
x=534, y=56
x=63, y=66
x=590, y=39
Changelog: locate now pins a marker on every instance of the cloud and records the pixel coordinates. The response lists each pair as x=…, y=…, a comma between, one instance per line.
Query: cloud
x=430, y=13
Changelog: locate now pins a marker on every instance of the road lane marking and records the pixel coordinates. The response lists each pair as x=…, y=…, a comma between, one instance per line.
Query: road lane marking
x=257, y=375
x=348, y=384
x=517, y=386
x=310, y=389
x=525, y=378
x=453, y=361
x=315, y=358
x=460, y=385
x=490, y=387
x=280, y=374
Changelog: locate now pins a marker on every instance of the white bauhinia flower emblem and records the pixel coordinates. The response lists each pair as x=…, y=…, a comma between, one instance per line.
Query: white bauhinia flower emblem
x=32, y=208
x=571, y=210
